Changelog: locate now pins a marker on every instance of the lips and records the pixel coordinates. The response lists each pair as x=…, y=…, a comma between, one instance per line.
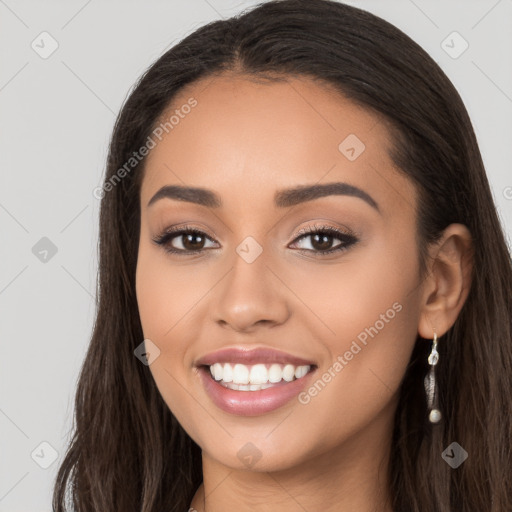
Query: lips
x=253, y=399
x=252, y=356
x=253, y=403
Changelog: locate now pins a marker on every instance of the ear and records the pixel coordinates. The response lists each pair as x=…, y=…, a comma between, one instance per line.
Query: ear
x=448, y=281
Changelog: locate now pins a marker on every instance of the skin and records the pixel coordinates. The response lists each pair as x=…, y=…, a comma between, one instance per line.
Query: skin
x=246, y=140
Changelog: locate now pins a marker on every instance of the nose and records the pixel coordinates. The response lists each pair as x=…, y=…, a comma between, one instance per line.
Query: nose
x=249, y=296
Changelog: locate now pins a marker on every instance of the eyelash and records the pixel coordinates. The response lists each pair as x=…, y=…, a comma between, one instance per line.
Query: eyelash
x=349, y=239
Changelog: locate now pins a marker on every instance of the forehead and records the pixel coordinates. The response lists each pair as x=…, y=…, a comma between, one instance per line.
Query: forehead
x=247, y=138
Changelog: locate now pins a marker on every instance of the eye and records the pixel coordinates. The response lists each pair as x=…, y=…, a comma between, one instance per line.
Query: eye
x=322, y=238
x=190, y=239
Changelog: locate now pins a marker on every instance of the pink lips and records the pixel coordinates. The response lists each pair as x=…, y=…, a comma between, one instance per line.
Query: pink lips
x=252, y=403
x=252, y=356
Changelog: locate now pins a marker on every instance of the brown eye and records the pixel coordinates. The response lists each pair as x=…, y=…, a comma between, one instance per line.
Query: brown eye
x=322, y=239
x=192, y=242
x=183, y=241
x=321, y=242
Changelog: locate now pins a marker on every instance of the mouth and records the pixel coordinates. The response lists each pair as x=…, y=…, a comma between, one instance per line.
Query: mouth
x=253, y=390
x=256, y=377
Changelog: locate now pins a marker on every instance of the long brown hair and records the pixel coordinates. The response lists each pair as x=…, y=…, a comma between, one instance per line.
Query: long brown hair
x=128, y=453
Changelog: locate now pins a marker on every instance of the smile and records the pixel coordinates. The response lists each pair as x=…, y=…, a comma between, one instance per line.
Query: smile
x=254, y=390
x=241, y=377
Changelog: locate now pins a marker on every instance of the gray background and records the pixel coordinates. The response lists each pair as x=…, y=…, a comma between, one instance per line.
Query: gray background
x=56, y=118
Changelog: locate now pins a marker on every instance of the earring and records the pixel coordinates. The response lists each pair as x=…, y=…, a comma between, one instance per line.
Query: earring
x=430, y=384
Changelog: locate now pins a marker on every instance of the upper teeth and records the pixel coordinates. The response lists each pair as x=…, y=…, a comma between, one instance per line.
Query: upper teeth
x=258, y=373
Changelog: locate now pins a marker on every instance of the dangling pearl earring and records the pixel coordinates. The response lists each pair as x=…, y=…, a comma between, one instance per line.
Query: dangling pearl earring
x=430, y=384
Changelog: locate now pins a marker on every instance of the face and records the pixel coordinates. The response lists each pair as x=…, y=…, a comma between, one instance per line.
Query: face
x=303, y=246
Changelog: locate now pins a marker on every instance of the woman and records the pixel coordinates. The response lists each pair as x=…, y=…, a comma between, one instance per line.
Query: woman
x=305, y=292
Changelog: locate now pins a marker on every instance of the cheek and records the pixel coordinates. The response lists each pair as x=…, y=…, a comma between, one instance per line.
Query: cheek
x=360, y=382
x=370, y=313
x=165, y=293
x=157, y=306
x=168, y=296
x=364, y=288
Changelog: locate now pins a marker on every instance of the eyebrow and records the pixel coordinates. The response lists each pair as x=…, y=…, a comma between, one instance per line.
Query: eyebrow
x=282, y=198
